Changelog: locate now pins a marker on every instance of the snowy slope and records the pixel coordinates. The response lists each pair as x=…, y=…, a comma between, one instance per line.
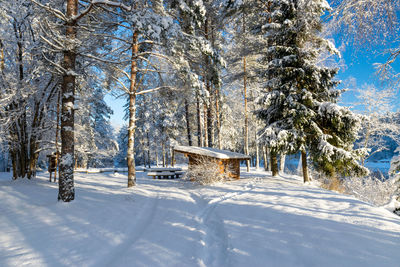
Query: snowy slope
x=256, y=221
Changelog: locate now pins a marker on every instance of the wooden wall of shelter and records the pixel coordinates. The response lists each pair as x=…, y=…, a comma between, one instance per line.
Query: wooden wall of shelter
x=231, y=167
x=228, y=161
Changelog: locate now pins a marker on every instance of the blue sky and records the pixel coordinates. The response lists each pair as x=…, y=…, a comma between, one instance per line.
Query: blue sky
x=358, y=70
x=358, y=67
x=117, y=104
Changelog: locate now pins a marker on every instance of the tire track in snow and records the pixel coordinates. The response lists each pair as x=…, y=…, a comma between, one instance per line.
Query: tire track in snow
x=214, y=239
x=134, y=234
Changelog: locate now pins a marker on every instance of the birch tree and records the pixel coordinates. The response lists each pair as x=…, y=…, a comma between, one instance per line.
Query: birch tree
x=370, y=23
x=65, y=35
x=376, y=104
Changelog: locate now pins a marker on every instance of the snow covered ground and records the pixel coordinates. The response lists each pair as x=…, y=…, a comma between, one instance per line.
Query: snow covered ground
x=256, y=221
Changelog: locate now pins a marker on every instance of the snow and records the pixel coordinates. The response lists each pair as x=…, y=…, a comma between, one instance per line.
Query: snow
x=258, y=220
x=210, y=152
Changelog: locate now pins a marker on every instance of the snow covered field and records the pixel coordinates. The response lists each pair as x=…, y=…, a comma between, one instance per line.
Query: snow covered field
x=256, y=221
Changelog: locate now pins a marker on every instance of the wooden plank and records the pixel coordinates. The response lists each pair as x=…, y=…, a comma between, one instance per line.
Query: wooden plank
x=171, y=175
x=162, y=169
x=160, y=173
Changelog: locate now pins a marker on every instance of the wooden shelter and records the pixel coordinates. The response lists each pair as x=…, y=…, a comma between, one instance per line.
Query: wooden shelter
x=228, y=161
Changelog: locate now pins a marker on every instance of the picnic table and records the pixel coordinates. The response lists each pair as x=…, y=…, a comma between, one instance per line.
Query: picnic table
x=228, y=161
x=160, y=173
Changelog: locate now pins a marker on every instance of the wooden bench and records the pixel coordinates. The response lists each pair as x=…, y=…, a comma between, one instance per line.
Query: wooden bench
x=160, y=173
x=165, y=174
x=162, y=169
x=179, y=173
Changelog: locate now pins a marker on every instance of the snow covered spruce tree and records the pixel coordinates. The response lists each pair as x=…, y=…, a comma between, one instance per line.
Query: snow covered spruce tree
x=299, y=101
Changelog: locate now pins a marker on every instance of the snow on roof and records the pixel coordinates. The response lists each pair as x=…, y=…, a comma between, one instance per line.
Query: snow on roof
x=210, y=152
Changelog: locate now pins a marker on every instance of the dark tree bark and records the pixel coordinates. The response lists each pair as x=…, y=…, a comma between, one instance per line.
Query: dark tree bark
x=187, y=116
x=205, y=128
x=200, y=141
x=164, y=161
x=57, y=133
x=208, y=116
x=304, y=165
x=1, y=56
x=66, y=190
x=274, y=163
x=210, y=128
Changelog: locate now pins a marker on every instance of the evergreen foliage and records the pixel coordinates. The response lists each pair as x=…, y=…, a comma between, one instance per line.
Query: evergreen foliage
x=299, y=102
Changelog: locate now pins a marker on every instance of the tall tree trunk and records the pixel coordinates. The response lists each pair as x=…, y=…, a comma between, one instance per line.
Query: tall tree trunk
x=257, y=155
x=156, y=154
x=172, y=156
x=57, y=133
x=22, y=120
x=187, y=116
x=274, y=163
x=265, y=156
x=246, y=118
x=148, y=150
x=34, y=155
x=208, y=105
x=1, y=56
x=282, y=158
x=218, y=115
x=210, y=128
x=132, y=113
x=205, y=128
x=23, y=150
x=200, y=141
x=14, y=163
x=304, y=164
x=66, y=191
x=163, y=155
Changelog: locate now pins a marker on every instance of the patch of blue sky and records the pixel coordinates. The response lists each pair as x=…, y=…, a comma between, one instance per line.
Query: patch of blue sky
x=359, y=70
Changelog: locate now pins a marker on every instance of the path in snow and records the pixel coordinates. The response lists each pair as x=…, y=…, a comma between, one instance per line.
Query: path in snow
x=256, y=221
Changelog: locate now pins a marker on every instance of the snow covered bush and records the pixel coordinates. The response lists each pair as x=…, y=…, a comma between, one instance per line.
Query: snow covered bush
x=330, y=183
x=395, y=170
x=206, y=171
x=370, y=189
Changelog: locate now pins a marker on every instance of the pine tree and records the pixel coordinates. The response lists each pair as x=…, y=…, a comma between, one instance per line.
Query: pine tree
x=299, y=103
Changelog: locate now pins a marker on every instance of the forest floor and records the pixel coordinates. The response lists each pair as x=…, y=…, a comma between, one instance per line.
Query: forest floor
x=258, y=220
